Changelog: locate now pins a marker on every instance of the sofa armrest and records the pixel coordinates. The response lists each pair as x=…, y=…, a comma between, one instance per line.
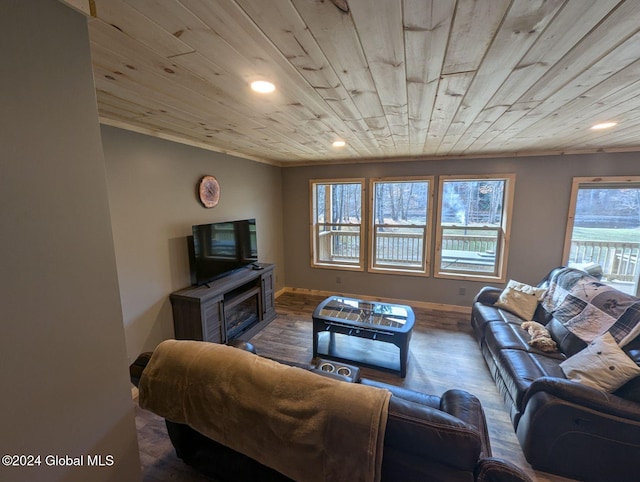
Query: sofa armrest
x=585, y=396
x=430, y=434
x=140, y=363
x=491, y=469
x=488, y=295
x=138, y=366
x=580, y=432
x=467, y=407
x=432, y=401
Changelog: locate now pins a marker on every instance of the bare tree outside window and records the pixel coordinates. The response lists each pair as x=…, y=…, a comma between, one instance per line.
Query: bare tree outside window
x=471, y=232
x=400, y=228
x=337, y=220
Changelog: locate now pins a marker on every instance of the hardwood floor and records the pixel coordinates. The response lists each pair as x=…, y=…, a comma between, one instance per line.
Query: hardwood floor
x=443, y=354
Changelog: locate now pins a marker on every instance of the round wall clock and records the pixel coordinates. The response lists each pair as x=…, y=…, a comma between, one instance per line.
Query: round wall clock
x=209, y=191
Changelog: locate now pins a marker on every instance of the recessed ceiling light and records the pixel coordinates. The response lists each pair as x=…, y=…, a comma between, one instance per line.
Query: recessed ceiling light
x=604, y=125
x=263, y=87
x=339, y=143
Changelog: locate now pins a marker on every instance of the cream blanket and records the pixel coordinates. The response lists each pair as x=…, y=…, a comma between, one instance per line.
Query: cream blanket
x=305, y=426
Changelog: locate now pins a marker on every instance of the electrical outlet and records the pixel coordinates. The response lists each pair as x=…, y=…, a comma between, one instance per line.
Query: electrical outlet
x=462, y=291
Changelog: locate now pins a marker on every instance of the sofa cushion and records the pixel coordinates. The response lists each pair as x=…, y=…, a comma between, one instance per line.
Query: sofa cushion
x=499, y=336
x=519, y=368
x=520, y=299
x=567, y=342
x=602, y=365
x=630, y=390
x=482, y=315
x=632, y=349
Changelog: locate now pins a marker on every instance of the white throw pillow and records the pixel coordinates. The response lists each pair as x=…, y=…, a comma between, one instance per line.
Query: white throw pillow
x=602, y=365
x=520, y=299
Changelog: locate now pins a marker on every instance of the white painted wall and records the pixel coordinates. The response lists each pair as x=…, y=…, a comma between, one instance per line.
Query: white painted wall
x=63, y=370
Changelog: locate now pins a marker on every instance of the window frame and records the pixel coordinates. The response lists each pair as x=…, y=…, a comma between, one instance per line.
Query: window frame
x=575, y=188
x=504, y=233
x=428, y=228
x=313, y=225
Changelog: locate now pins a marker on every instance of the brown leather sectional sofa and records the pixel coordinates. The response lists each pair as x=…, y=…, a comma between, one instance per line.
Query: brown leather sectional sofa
x=427, y=437
x=564, y=427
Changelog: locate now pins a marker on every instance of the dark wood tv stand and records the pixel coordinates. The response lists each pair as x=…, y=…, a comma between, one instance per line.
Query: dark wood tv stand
x=236, y=306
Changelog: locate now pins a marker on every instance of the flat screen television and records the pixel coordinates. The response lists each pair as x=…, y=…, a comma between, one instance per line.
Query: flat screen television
x=218, y=249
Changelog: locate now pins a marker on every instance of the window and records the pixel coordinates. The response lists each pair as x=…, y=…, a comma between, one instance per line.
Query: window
x=400, y=219
x=473, y=226
x=337, y=223
x=604, y=228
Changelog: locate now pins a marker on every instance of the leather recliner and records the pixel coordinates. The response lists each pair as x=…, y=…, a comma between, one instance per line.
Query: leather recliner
x=427, y=437
x=564, y=427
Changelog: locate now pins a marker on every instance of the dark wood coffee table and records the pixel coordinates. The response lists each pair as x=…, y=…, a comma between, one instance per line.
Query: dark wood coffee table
x=373, y=321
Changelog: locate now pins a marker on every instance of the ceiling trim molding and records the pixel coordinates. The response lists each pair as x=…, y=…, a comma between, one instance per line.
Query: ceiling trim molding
x=85, y=7
x=181, y=140
x=328, y=162
x=497, y=155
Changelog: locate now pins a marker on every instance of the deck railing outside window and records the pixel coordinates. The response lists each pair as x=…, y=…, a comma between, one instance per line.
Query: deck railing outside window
x=338, y=242
x=470, y=249
x=474, y=243
x=404, y=248
x=619, y=261
x=399, y=247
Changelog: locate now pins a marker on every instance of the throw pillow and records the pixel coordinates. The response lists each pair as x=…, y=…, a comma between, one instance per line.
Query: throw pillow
x=602, y=365
x=520, y=299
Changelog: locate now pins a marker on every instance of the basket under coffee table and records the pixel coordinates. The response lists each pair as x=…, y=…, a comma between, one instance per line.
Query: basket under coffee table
x=337, y=318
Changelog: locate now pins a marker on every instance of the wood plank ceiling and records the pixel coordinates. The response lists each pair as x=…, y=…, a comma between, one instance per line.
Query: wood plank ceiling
x=394, y=79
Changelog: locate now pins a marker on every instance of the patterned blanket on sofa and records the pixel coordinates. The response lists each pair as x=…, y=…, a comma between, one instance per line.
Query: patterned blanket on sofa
x=589, y=308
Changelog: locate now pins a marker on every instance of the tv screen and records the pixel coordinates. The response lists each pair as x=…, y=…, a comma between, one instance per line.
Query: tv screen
x=218, y=249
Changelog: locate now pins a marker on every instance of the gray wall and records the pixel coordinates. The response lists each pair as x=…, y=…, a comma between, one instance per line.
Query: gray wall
x=542, y=194
x=63, y=371
x=152, y=194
